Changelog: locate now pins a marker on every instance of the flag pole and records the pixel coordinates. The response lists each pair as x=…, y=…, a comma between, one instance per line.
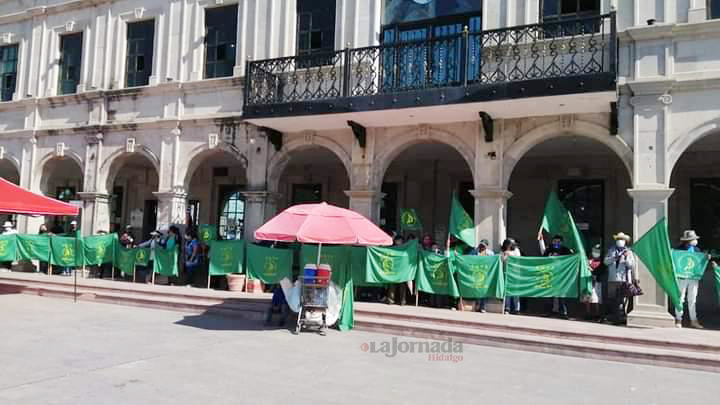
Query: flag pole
x=209, y=278
x=134, y=273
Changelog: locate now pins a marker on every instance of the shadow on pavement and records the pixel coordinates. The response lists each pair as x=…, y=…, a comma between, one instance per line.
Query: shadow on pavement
x=225, y=316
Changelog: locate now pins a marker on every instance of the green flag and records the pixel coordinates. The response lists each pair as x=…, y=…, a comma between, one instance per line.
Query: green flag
x=392, y=264
x=269, y=265
x=65, y=251
x=409, y=220
x=8, y=248
x=226, y=256
x=165, y=261
x=555, y=276
x=99, y=249
x=34, y=247
x=716, y=270
x=689, y=265
x=654, y=250
x=207, y=233
x=338, y=257
x=434, y=275
x=461, y=225
x=479, y=276
x=347, y=320
x=358, y=264
x=125, y=260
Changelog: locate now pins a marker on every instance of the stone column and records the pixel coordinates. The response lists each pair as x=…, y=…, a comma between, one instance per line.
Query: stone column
x=259, y=207
x=649, y=309
x=697, y=12
x=366, y=202
x=490, y=214
x=95, y=213
x=171, y=207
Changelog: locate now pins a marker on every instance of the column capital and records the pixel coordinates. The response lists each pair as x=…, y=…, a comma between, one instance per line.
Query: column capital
x=177, y=192
x=491, y=192
x=93, y=196
x=260, y=196
x=366, y=194
x=656, y=194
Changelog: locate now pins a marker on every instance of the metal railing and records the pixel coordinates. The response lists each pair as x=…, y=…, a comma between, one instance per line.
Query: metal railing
x=571, y=48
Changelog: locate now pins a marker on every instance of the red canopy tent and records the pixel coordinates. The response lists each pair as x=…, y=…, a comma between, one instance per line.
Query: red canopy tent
x=17, y=200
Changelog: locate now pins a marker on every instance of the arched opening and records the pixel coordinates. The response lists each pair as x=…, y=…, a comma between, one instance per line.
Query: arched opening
x=590, y=179
x=62, y=178
x=9, y=172
x=424, y=177
x=313, y=174
x=131, y=182
x=215, y=193
x=695, y=204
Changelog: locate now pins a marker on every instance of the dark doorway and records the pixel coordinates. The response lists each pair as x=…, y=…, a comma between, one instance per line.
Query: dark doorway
x=705, y=211
x=585, y=199
x=306, y=193
x=149, y=218
x=389, y=207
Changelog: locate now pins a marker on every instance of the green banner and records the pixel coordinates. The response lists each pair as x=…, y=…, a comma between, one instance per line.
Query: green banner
x=269, y=265
x=125, y=260
x=207, y=233
x=479, y=276
x=654, y=250
x=143, y=255
x=347, y=319
x=358, y=264
x=226, y=256
x=99, y=249
x=689, y=265
x=338, y=257
x=555, y=276
x=166, y=261
x=434, y=275
x=33, y=247
x=392, y=264
x=66, y=251
x=409, y=220
x=8, y=248
x=461, y=224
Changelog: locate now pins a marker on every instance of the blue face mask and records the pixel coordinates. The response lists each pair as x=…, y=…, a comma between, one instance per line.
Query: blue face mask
x=555, y=246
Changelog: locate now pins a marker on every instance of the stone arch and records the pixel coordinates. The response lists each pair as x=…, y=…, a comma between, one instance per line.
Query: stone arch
x=40, y=181
x=554, y=130
x=680, y=145
x=198, y=155
x=14, y=161
x=113, y=163
x=280, y=160
x=399, y=144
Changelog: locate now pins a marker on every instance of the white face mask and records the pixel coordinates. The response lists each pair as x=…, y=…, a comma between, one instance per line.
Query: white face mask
x=595, y=255
x=620, y=243
x=694, y=242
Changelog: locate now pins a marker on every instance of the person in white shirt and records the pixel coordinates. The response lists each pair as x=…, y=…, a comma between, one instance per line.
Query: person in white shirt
x=620, y=263
x=510, y=248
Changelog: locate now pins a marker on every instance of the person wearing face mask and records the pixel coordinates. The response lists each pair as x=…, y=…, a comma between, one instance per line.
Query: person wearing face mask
x=620, y=263
x=510, y=248
x=594, y=300
x=557, y=248
x=688, y=288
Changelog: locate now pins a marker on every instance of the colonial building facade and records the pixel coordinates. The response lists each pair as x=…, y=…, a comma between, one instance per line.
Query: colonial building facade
x=225, y=111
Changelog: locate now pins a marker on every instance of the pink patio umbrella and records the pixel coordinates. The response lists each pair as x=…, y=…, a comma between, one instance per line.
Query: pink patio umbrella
x=322, y=223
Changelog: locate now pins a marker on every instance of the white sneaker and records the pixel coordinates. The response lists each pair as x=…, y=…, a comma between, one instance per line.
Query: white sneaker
x=678, y=324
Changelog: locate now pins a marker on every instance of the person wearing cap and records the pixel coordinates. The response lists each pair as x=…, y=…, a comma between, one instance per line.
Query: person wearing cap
x=151, y=243
x=8, y=230
x=688, y=287
x=74, y=231
x=620, y=263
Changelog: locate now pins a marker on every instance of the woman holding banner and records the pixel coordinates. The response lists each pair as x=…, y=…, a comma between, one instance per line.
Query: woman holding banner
x=510, y=248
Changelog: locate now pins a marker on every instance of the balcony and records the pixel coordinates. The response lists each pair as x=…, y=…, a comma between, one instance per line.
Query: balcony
x=539, y=69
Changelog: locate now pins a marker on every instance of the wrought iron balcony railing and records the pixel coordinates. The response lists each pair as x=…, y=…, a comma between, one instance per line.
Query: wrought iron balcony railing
x=573, y=48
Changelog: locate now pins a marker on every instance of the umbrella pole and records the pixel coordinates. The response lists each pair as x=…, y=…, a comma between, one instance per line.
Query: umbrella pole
x=319, y=250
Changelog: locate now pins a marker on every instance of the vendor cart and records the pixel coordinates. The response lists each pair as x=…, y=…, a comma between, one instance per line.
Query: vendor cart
x=314, y=285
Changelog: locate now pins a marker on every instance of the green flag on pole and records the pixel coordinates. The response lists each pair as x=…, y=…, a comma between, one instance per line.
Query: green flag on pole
x=716, y=270
x=165, y=261
x=226, y=256
x=689, y=265
x=269, y=265
x=409, y=220
x=555, y=276
x=8, y=248
x=338, y=257
x=434, y=275
x=99, y=249
x=347, y=319
x=34, y=247
x=392, y=264
x=654, y=250
x=461, y=224
x=125, y=260
x=207, y=233
x=66, y=251
x=479, y=276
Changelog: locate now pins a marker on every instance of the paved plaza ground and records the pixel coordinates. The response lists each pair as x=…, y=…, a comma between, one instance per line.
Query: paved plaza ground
x=58, y=352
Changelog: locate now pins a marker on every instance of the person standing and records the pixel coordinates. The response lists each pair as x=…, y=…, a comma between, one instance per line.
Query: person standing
x=620, y=263
x=594, y=300
x=688, y=287
x=193, y=255
x=482, y=250
x=43, y=265
x=8, y=229
x=557, y=248
x=396, y=293
x=510, y=248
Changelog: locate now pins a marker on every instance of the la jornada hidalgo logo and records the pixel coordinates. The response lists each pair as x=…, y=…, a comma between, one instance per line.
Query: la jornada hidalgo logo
x=435, y=350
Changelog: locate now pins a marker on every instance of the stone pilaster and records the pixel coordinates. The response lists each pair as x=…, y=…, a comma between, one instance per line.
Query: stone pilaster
x=490, y=214
x=95, y=213
x=171, y=207
x=366, y=202
x=649, y=309
x=259, y=207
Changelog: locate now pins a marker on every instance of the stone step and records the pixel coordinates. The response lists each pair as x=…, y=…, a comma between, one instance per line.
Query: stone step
x=664, y=357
